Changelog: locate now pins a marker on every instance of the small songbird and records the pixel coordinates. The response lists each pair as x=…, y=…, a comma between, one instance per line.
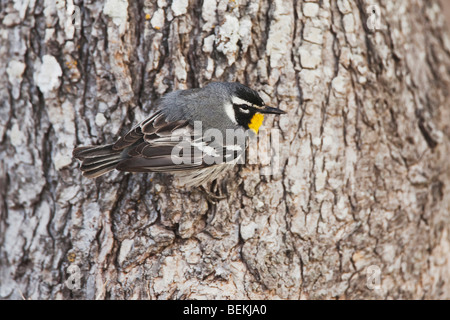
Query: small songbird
x=169, y=140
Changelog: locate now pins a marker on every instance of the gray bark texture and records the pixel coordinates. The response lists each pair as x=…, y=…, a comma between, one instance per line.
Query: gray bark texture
x=359, y=209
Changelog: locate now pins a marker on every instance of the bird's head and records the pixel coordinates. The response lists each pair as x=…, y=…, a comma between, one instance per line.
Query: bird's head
x=246, y=107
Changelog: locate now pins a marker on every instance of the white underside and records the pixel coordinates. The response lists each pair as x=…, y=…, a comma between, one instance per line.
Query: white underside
x=200, y=176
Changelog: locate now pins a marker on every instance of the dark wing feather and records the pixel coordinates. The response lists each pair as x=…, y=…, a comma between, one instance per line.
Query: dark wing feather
x=158, y=145
x=153, y=144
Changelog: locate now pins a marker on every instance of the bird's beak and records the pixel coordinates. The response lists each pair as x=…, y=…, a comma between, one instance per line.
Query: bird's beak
x=271, y=110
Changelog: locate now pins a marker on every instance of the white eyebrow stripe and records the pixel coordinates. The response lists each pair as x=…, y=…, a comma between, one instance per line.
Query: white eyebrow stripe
x=229, y=110
x=237, y=100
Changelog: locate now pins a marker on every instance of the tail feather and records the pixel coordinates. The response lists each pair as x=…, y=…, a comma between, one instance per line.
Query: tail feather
x=97, y=160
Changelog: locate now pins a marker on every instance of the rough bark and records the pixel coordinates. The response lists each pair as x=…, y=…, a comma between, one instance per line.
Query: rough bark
x=363, y=194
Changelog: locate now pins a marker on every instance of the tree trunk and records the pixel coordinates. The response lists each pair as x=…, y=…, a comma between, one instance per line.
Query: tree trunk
x=359, y=209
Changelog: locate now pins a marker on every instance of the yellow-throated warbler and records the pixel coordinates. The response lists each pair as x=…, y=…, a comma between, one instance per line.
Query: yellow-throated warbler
x=195, y=133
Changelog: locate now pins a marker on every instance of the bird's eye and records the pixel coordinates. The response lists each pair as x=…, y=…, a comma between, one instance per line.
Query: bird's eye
x=244, y=108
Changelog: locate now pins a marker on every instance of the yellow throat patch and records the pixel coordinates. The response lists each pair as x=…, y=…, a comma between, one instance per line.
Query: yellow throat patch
x=256, y=122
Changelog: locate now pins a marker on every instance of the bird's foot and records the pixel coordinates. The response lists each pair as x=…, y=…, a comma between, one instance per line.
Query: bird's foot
x=212, y=197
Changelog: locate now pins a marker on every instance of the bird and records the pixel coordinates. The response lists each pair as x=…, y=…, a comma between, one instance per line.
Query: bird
x=196, y=134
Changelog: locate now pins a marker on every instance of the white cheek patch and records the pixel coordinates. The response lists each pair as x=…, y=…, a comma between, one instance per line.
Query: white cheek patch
x=229, y=110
